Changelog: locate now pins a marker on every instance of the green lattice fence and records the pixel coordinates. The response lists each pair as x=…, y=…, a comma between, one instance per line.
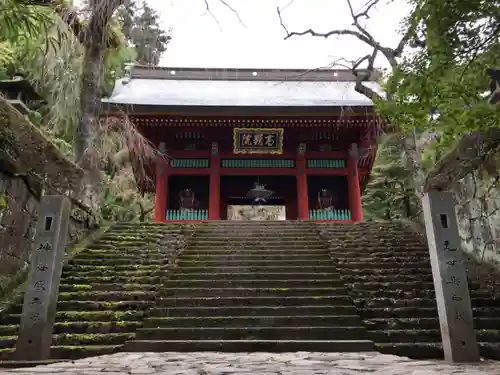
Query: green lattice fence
x=258, y=163
x=187, y=215
x=190, y=163
x=329, y=215
x=326, y=163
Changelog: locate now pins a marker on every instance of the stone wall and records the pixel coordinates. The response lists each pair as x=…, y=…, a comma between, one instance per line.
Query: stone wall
x=18, y=217
x=477, y=198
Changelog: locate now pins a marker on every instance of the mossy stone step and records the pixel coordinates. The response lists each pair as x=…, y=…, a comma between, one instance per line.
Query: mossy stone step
x=415, y=350
x=229, y=346
x=376, y=252
x=249, y=310
x=252, y=252
x=254, y=263
x=108, y=256
x=289, y=242
x=424, y=323
x=264, y=268
x=395, y=293
x=391, y=273
x=129, y=262
x=252, y=292
x=225, y=283
x=381, y=261
x=77, y=339
x=87, y=316
x=107, y=296
x=407, y=277
x=93, y=306
x=91, y=272
x=388, y=285
x=420, y=312
x=108, y=287
x=118, y=268
x=177, y=274
x=72, y=352
x=105, y=280
x=251, y=258
x=281, y=301
x=81, y=327
x=391, y=302
x=254, y=333
x=416, y=334
x=369, y=265
x=253, y=321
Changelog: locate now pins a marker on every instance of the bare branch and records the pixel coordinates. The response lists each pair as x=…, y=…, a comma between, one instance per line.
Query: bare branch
x=228, y=6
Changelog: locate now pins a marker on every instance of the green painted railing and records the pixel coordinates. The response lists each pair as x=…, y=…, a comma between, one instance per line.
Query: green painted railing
x=187, y=215
x=258, y=163
x=190, y=163
x=326, y=163
x=329, y=215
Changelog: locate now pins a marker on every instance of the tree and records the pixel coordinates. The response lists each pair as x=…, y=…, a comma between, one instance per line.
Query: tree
x=141, y=27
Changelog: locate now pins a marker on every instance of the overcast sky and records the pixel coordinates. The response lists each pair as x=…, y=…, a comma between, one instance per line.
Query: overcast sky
x=198, y=40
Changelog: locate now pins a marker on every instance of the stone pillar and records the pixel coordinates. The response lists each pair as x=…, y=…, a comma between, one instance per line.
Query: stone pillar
x=450, y=278
x=302, y=190
x=353, y=185
x=40, y=299
x=214, y=189
x=161, y=188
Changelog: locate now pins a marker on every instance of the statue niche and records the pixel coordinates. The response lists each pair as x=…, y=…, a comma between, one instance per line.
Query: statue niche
x=187, y=200
x=326, y=200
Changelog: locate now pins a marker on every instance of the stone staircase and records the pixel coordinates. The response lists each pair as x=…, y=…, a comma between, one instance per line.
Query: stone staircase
x=253, y=286
x=386, y=270
x=106, y=291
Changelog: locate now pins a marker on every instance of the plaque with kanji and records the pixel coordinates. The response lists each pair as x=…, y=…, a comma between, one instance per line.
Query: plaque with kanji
x=258, y=141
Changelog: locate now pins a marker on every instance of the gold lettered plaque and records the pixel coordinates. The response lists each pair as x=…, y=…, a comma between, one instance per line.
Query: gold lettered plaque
x=258, y=141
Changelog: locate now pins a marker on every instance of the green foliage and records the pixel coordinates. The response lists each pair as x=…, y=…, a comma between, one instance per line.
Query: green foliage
x=441, y=86
x=390, y=192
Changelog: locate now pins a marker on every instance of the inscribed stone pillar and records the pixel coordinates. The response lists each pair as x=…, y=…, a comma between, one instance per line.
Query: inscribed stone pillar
x=450, y=278
x=40, y=299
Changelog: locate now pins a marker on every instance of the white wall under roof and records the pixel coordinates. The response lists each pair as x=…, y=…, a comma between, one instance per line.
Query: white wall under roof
x=237, y=93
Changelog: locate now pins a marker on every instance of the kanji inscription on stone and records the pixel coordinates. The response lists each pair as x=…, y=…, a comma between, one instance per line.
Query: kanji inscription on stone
x=450, y=278
x=40, y=299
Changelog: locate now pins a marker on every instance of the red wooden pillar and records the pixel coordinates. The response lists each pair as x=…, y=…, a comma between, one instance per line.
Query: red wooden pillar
x=302, y=193
x=161, y=190
x=214, y=189
x=354, y=190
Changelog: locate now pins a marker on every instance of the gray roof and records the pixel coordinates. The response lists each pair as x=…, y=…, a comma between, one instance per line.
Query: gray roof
x=158, y=87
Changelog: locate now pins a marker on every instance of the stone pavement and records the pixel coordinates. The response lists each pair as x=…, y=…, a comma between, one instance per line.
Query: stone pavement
x=301, y=363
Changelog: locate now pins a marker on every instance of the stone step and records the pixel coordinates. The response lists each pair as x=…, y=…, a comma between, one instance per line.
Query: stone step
x=391, y=302
x=351, y=253
x=112, y=268
x=262, y=232
x=252, y=292
x=252, y=321
x=77, y=339
x=252, y=275
x=416, y=293
x=391, y=273
x=107, y=296
x=419, y=312
x=274, y=346
x=223, y=310
x=254, y=252
x=381, y=261
x=107, y=287
x=415, y=350
x=234, y=247
x=387, y=285
x=278, y=301
x=408, y=277
x=72, y=352
x=234, y=257
x=79, y=316
x=129, y=262
x=254, y=333
x=424, y=323
x=259, y=269
x=358, y=264
x=254, y=263
x=96, y=279
x=81, y=327
x=222, y=282
x=13, y=364
x=93, y=306
x=109, y=256
x=263, y=243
